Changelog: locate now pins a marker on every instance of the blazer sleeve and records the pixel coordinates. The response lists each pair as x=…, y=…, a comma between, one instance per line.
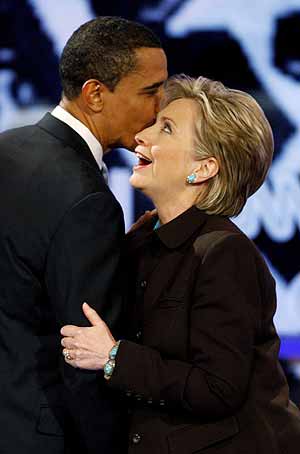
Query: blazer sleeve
x=83, y=264
x=224, y=320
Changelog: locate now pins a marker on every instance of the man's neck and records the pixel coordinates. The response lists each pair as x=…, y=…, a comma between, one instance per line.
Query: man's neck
x=75, y=108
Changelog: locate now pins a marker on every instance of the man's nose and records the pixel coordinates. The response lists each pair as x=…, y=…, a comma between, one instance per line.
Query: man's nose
x=158, y=99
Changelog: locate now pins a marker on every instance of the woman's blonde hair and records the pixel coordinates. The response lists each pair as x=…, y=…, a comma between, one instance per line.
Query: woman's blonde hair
x=232, y=128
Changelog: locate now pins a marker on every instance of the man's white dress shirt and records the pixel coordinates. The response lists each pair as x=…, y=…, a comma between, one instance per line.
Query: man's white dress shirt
x=93, y=144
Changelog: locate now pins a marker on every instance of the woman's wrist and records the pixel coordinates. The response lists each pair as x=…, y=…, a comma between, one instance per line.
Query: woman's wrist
x=109, y=366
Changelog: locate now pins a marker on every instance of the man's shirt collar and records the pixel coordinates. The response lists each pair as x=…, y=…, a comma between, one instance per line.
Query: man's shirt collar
x=93, y=144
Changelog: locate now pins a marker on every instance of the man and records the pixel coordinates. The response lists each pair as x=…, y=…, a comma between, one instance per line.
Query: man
x=60, y=238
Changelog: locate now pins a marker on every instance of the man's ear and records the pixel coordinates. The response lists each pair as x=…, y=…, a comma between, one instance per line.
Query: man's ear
x=206, y=169
x=92, y=94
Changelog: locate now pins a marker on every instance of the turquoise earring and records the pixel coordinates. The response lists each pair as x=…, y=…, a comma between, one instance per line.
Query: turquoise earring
x=190, y=179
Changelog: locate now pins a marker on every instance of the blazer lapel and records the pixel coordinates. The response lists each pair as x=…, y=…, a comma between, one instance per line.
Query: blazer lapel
x=170, y=267
x=161, y=277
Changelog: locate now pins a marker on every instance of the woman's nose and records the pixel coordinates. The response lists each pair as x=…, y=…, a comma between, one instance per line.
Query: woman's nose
x=142, y=138
x=139, y=139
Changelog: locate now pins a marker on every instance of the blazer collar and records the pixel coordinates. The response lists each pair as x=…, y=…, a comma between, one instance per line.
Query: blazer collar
x=179, y=230
x=67, y=135
x=173, y=234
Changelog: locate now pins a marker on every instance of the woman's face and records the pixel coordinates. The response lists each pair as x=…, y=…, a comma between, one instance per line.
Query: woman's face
x=165, y=152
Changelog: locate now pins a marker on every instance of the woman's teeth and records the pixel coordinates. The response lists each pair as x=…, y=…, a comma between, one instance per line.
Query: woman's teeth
x=143, y=160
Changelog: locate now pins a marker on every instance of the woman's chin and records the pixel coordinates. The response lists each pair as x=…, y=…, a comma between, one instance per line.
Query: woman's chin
x=138, y=183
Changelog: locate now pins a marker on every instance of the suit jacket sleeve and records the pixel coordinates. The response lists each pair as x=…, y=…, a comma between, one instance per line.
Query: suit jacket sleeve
x=225, y=310
x=83, y=264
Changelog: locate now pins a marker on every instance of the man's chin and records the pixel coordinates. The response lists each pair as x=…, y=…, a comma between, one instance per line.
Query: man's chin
x=127, y=144
x=130, y=145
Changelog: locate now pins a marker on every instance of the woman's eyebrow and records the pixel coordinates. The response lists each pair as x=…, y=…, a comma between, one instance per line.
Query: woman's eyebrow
x=163, y=117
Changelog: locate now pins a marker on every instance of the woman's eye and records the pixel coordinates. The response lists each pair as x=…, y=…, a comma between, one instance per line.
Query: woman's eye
x=167, y=127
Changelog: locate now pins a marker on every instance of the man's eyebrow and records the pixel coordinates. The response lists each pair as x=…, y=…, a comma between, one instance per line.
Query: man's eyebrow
x=153, y=86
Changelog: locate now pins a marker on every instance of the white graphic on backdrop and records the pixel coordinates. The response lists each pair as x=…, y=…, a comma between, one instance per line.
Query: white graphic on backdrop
x=288, y=313
x=61, y=18
x=58, y=21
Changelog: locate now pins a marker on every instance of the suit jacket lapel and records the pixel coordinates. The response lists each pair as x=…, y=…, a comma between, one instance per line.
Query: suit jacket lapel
x=67, y=136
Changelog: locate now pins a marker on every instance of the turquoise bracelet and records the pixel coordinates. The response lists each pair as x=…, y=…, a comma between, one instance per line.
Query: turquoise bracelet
x=109, y=366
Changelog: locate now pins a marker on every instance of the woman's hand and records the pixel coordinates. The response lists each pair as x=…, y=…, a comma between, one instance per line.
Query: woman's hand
x=88, y=347
x=143, y=219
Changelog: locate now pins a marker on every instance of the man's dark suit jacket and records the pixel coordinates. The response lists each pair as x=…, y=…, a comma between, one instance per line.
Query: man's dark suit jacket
x=60, y=239
x=202, y=369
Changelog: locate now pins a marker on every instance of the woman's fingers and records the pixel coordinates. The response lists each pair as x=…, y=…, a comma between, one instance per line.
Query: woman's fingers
x=80, y=359
x=91, y=315
x=69, y=354
x=69, y=357
x=70, y=330
x=75, y=355
x=69, y=342
x=142, y=219
x=87, y=347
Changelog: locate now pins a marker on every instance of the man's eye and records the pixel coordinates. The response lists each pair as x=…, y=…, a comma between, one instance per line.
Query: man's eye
x=152, y=93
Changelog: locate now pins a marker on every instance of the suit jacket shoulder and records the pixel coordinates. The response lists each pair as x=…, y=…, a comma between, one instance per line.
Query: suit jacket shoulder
x=47, y=168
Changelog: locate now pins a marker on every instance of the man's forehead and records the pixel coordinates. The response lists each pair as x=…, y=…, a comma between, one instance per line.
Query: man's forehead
x=143, y=82
x=150, y=71
x=151, y=61
x=152, y=54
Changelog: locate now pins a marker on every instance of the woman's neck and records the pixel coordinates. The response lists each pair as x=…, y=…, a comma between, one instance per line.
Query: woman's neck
x=169, y=211
x=170, y=205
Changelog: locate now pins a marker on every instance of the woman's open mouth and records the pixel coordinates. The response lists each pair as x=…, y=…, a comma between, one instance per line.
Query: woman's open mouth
x=143, y=161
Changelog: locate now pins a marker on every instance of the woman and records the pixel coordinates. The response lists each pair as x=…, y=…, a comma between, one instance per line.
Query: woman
x=201, y=363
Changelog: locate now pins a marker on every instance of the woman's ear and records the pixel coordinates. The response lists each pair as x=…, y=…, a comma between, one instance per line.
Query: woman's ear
x=92, y=95
x=206, y=169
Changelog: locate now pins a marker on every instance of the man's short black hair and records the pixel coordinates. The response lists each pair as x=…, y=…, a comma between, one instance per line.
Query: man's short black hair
x=103, y=49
